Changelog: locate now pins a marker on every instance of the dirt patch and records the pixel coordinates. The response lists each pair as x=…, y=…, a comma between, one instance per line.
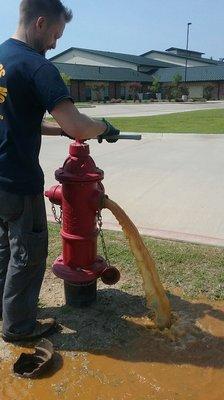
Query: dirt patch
x=120, y=316
x=112, y=350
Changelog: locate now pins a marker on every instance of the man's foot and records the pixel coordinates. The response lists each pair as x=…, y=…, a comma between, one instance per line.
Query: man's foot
x=44, y=327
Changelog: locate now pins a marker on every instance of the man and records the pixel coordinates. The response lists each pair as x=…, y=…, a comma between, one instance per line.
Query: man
x=30, y=85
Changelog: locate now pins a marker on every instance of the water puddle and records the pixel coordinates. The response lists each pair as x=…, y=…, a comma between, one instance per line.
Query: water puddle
x=180, y=363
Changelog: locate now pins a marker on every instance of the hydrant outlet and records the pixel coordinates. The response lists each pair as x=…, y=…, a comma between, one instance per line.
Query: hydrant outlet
x=55, y=194
x=110, y=276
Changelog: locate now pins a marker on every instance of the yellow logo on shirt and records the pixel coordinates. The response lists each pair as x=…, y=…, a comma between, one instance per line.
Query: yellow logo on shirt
x=3, y=94
x=2, y=71
x=3, y=90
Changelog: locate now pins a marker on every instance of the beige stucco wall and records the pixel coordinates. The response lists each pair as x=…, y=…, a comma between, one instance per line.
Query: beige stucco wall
x=196, y=91
x=174, y=60
x=85, y=58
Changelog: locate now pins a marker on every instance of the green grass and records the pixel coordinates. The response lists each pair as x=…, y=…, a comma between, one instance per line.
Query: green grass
x=206, y=121
x=195, y=269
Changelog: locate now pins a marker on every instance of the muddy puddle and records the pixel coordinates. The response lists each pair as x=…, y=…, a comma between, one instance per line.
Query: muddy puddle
x=110, y=354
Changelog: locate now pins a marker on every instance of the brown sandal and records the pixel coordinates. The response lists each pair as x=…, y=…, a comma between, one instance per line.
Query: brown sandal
x=34, y=365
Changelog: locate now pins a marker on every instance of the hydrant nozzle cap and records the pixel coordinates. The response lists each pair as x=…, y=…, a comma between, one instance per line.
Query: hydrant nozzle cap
x=79, y=149
x=79, y=166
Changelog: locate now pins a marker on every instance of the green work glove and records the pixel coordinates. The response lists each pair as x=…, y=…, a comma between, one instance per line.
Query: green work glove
x=110, y=131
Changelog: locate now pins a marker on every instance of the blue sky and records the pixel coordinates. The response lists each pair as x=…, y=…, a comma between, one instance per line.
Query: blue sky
x=135, y=26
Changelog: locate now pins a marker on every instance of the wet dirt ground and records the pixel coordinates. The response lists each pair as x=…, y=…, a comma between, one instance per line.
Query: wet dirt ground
x=112, y=351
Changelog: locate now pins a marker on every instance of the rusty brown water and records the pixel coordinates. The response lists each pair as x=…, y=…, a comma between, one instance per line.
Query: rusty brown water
x=113, y=351
x=155, y=294
x=151, y=367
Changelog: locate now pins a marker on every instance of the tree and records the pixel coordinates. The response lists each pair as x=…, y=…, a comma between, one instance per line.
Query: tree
x=97, y=88
x=176, y=91
x=176, y=88
x=208, y=91
x=134, y=88
x=155, y=87
x=66, y=78
x=177, y=79
x=184, y=89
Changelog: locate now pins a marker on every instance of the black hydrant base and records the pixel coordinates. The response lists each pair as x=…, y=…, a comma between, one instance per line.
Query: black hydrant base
x=81, y=295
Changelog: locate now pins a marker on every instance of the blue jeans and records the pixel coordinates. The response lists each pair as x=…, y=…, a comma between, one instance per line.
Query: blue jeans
x=23, y=253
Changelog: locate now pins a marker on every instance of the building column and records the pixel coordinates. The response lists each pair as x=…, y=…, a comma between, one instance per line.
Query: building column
x=75, y=90
x=117, y=90
x=112, y=91
x=82, y=91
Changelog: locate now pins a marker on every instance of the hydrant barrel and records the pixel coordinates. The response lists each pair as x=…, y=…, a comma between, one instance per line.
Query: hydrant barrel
x=81, y=196
x=82, y=192
x=80, y=203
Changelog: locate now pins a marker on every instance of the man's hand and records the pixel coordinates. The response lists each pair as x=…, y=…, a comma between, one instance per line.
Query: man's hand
x=110, y=131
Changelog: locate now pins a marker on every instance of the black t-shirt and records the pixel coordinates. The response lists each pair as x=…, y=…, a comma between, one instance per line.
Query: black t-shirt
x=29, y=85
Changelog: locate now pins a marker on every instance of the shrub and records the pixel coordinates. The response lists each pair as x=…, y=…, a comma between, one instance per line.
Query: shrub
x=184, y=90
x=208, y=91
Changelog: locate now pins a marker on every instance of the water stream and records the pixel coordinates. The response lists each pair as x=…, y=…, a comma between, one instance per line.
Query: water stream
x=155, y=294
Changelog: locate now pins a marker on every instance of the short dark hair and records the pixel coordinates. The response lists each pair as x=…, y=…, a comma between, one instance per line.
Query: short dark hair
x=51, y=9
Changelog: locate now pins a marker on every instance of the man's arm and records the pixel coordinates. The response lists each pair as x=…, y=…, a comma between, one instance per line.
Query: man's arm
x=50, y=128
x=75, y=124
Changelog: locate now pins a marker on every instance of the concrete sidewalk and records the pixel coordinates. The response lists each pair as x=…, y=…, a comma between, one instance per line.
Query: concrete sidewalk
x=170, y=185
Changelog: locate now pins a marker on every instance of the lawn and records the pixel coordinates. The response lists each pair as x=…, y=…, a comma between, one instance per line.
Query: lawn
x=206, y=121
x=196, y=270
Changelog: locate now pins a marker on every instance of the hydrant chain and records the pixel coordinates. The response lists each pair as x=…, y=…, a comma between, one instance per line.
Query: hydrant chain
x=104, y=247
x=57, y=219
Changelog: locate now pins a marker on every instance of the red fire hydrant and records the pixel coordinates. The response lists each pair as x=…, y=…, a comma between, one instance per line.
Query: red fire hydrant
x=80, y=195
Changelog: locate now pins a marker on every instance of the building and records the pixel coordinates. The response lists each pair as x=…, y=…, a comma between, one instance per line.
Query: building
x=198, y=78
x=112, y=82
x=96, y=74
x=115, y=71
x=177, y=56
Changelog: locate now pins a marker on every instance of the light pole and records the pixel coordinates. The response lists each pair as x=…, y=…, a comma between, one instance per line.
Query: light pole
x=188, y=28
